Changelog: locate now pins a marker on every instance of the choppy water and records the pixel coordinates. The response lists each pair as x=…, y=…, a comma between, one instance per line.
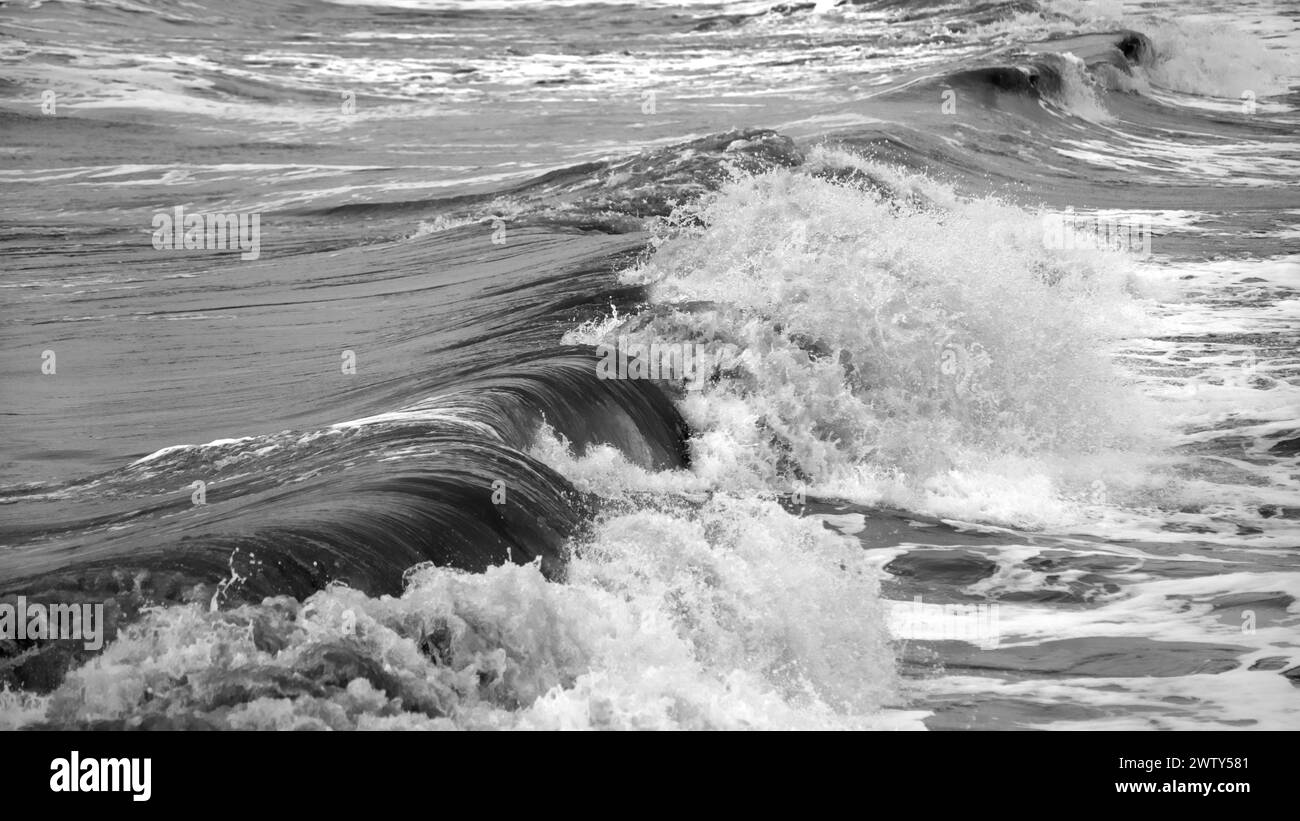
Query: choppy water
x=422, y=506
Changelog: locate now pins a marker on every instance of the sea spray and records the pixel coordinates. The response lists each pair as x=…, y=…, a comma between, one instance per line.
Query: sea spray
x=736, y=614
x=849, y=329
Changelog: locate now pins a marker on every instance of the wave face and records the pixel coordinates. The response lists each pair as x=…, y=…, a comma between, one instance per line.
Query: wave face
x=653, y=367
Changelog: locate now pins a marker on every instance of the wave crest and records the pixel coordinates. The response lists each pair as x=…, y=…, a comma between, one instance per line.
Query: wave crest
x=847, y=326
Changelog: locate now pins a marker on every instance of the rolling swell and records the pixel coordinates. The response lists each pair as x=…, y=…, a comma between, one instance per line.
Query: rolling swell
x=444, y=481
x=648, y=184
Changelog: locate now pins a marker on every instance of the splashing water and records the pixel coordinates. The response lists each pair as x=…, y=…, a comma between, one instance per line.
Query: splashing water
x=733, y=615
x=849, y=330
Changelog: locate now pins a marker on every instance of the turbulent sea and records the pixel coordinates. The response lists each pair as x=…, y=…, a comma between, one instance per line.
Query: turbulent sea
x=373, y=478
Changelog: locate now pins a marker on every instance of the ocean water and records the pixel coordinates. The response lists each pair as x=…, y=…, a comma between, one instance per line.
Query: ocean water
x=980, y=406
